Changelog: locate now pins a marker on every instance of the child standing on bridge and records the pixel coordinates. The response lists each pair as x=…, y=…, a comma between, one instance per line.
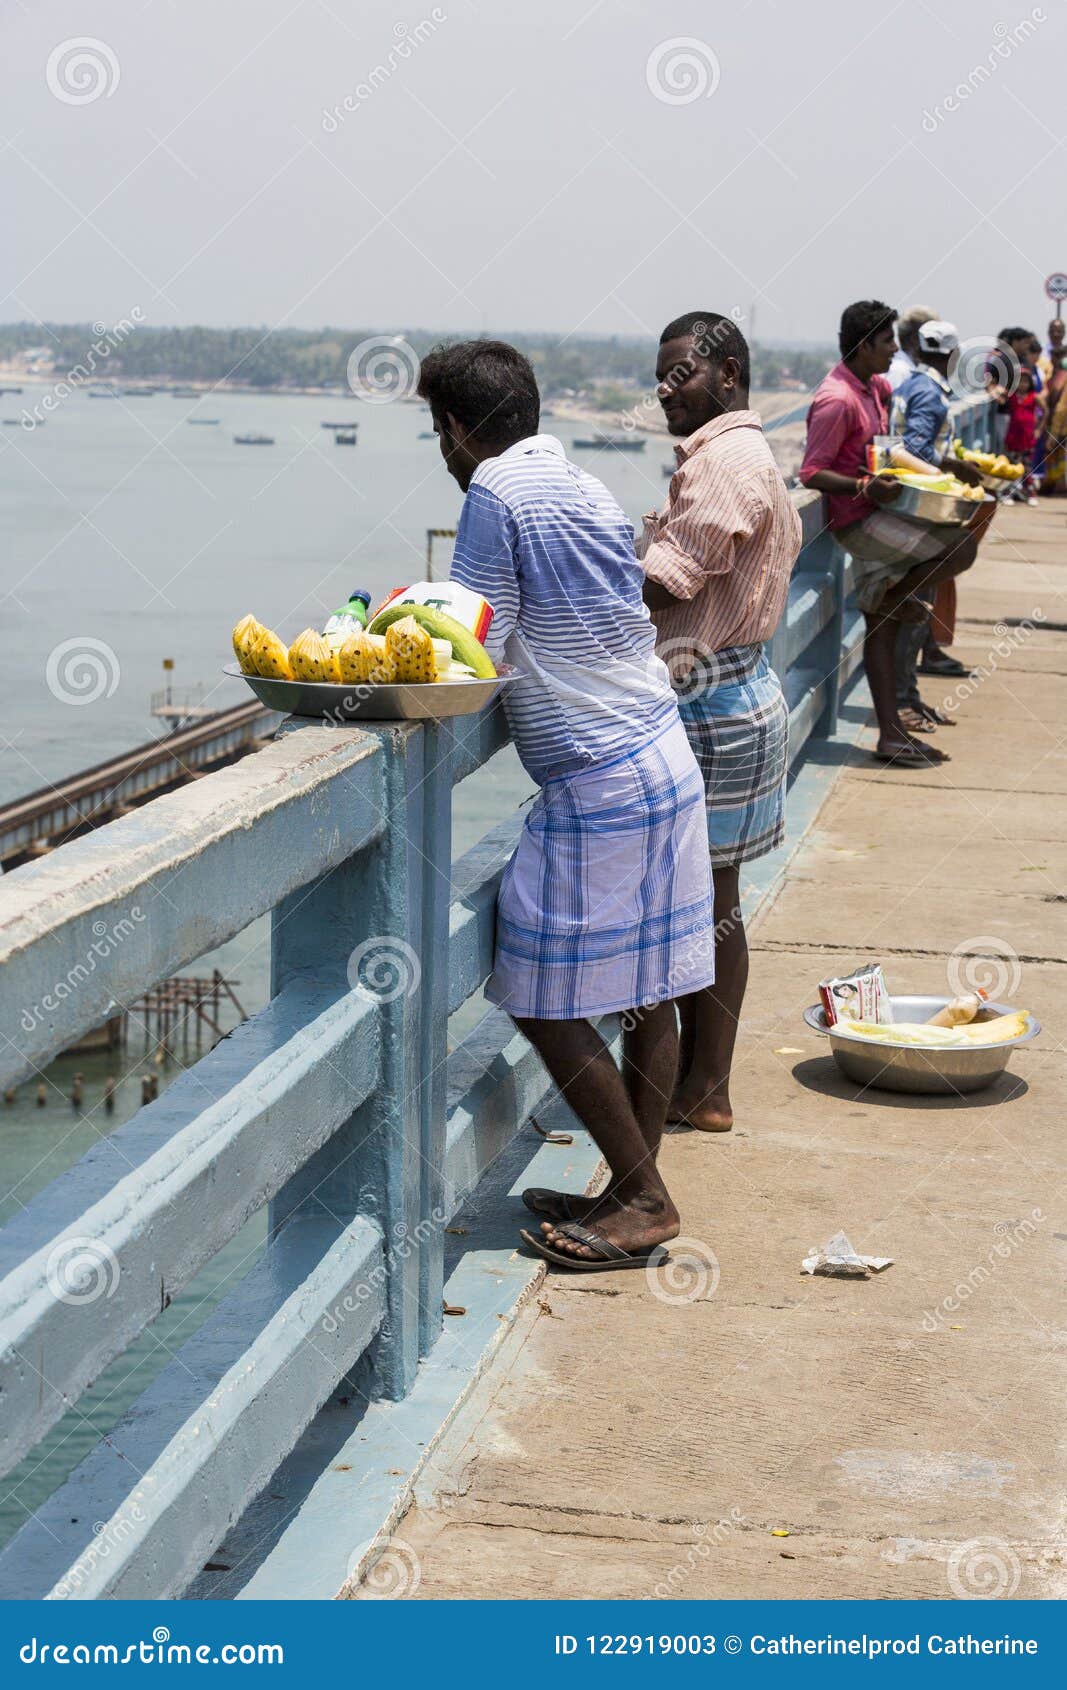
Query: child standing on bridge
x=1025, y=417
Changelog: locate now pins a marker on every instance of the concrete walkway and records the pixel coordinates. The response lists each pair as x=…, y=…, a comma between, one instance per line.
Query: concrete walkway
x=906, y=1431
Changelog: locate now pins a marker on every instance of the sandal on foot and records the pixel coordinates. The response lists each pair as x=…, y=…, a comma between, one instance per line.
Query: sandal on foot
x=912, y=757
x=915, y=721
x=610, y=1257
x=938, y=717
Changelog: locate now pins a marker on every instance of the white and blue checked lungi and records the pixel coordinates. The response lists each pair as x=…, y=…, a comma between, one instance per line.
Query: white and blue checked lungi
x=607, y=903
x=733, y=711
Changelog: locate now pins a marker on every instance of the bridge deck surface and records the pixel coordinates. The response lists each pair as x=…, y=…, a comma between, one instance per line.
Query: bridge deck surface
x=907, y=1430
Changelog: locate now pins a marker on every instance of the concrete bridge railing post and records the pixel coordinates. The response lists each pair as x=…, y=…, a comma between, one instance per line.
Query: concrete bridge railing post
x=377, y=924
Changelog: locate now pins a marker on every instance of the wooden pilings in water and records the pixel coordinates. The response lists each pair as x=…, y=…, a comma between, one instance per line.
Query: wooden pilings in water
x=179, y=1009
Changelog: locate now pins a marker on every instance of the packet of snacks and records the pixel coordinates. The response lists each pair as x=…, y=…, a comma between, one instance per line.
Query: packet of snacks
x=859, y=996
x=455, y=600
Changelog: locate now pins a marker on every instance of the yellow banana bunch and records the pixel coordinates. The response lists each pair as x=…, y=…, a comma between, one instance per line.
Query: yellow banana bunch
x=311, y=659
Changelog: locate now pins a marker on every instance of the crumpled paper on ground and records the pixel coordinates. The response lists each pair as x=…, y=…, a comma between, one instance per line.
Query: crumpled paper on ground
x=838, y=1260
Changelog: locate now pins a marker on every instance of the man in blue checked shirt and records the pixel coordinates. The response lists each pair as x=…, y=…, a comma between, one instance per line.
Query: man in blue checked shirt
x=606, y=905
x=919, y=414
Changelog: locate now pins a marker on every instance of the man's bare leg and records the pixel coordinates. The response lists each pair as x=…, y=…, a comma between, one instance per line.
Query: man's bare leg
x=634, y=1211
x=650, y=1068
x=710, y=1018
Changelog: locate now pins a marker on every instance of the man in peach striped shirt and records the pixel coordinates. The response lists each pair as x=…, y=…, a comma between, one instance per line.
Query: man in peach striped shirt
x=717, y=561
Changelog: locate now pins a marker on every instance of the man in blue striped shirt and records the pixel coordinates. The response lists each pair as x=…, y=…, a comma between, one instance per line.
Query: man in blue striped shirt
x=606, y=905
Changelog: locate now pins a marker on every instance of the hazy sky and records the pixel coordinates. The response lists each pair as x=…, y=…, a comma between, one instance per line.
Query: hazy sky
x=550, y=164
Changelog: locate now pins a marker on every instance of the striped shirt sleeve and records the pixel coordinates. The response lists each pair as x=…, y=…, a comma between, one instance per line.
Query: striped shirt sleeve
x=697, y=536
x=486, y=561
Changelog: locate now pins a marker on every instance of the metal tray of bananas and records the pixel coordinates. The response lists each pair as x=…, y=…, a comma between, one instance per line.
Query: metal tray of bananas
x=367, y=701
x=919, y=504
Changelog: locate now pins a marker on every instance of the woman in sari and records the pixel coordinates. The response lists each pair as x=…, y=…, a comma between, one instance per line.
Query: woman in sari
x=1053, y=367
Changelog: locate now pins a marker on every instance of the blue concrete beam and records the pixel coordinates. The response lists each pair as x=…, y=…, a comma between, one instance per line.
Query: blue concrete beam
x=87, y=929
x=138, y=1517
x=369, y=918
x=475, y=739
x=472, y=916
x=495, y=1080
x=149, y=1205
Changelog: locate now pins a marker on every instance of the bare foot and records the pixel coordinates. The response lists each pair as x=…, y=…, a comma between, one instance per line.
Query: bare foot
x=709, y=1111
x=560, y=1205
x=630, y=1229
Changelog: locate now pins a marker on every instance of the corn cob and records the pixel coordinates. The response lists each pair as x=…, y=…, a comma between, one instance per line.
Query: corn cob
x=412, y=650
x=246, y=635
x=355, y=657
x=311, y=659
x=269, y=658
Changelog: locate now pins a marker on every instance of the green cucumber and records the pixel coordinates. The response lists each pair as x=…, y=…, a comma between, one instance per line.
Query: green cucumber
x=440, y=626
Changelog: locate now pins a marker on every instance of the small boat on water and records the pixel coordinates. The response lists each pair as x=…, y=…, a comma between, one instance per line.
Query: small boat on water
x=617, y=443
x=253, y=440
x=667, y=469
x=427, y=434
x=104, y=392
x=349, y=427
x=344, y=437
x=202, y=422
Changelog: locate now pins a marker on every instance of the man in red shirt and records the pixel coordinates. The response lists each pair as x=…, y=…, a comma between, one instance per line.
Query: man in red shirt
x=894, y=559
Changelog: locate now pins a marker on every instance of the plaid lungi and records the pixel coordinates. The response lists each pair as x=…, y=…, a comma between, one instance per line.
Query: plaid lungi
x=733, y=711
x=607, y=903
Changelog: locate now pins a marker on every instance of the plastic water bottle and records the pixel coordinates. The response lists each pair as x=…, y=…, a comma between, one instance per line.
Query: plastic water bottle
x=348, y=618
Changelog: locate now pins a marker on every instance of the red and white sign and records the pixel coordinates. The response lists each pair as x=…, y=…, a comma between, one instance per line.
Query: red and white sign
x=1056, y=286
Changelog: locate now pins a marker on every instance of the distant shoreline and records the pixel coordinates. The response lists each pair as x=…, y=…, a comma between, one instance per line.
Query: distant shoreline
x=642, y=417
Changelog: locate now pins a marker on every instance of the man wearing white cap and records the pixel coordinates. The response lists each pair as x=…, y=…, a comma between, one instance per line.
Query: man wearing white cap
x=919, y=415
x=920, y=407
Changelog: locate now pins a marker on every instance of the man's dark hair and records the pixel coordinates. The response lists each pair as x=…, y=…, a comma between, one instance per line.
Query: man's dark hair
x=715, y=337
x=861, y=322
x=486, y=385
x=1010, y=335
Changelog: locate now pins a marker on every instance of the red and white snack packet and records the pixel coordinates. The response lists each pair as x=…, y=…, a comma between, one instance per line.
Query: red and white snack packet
x=859, y=996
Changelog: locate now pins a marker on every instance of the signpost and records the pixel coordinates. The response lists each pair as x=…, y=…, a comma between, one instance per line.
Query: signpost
x=1056, y=289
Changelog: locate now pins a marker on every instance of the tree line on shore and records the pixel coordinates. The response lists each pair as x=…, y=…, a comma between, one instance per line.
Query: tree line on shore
x=604, y=369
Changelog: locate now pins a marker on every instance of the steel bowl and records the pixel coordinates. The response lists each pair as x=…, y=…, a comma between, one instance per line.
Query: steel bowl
x=431, y=701
x=943, y=1068
x=943, y=510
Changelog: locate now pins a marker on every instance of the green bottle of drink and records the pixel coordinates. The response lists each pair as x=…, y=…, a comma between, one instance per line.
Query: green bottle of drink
x=347, y=619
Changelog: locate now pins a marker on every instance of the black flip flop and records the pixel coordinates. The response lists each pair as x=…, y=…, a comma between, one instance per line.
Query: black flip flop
x=916, y=722
x=554, y=1205
x=906, y=758
x=611, y=1257
x=938, y=717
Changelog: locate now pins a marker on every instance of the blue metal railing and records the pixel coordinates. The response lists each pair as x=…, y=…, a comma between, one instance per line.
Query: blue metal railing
x=338, y=1106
